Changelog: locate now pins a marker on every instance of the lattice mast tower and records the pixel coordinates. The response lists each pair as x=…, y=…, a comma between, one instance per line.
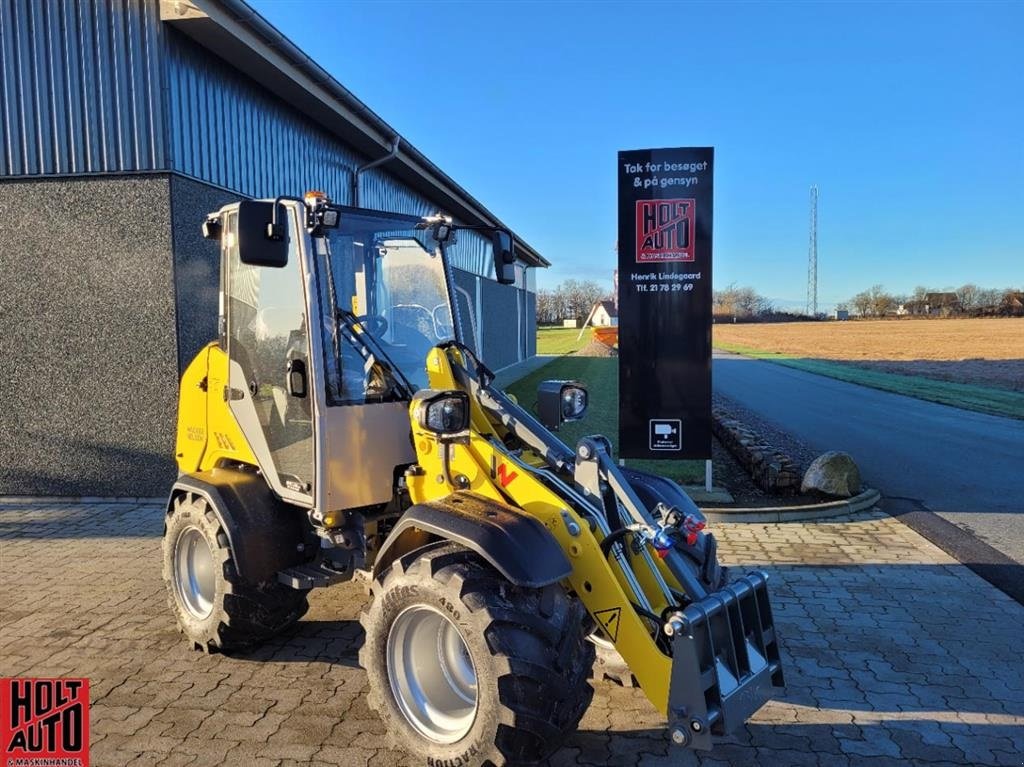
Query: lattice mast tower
x=812, y=257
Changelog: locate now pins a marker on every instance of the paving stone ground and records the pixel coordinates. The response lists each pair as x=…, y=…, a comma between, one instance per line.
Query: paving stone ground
x=894, y=654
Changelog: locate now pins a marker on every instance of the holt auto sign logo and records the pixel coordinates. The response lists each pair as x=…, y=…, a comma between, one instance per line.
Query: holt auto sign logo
x=664, y=230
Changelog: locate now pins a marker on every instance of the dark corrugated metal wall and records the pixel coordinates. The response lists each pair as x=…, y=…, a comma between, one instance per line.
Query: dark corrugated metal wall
x=226, y=129
x=80, y=87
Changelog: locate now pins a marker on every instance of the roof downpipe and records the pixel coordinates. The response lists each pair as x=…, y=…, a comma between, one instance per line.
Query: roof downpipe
x=369, y=166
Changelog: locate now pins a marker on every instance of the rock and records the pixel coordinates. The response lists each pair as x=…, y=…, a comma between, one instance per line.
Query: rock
x=832, y=473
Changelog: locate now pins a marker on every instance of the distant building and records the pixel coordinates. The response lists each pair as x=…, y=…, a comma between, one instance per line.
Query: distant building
x=840, y=314
x=1013, y=303
x=910, y=308
x=604, y=315
x=941, y=304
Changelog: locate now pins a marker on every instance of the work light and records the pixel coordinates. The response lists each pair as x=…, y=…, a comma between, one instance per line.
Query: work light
x=561, y=401
x=444, y=413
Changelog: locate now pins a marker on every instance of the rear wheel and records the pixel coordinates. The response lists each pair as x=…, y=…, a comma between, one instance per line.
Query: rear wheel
x=216, y=609
x=466, y=668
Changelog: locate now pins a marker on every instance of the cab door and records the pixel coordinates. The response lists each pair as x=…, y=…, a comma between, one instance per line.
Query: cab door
x=268, y=350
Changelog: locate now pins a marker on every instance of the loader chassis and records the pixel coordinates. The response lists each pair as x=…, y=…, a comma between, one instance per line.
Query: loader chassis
x=338, y=424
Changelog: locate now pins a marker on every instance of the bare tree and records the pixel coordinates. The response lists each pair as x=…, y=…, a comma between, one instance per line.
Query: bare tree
x=990, y=297
x=862, y=303
x=548, y=306
x=969, y=296
x=881, y=302
x=571, y=299
x=740, y=302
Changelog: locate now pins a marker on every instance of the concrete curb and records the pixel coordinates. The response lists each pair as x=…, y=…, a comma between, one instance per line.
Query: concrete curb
x=865, y=500
x=59, y=500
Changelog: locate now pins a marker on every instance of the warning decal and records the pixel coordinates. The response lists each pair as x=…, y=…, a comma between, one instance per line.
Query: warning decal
x=609, y=620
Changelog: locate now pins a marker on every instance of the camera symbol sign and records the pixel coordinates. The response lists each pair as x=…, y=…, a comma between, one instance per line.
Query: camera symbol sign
x=666, y=434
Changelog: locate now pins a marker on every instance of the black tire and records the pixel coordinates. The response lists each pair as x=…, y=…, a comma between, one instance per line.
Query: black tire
x=241, y=615
x=528, y=649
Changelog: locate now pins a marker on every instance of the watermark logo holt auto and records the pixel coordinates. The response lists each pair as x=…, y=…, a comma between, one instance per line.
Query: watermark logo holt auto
x=44, y=722
x=665, y=230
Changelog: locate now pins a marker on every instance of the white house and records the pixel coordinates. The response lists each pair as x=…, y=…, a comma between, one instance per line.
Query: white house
x=604, y=315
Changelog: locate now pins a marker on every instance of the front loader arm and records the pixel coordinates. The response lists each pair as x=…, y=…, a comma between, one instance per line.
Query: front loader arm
x=705, y=660
x=493, y=473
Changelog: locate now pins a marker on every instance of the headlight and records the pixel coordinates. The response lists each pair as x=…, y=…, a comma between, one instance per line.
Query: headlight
x=560, y=401
x=445, y=413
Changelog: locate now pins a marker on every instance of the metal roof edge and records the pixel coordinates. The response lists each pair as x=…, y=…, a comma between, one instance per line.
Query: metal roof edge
x=240, y=35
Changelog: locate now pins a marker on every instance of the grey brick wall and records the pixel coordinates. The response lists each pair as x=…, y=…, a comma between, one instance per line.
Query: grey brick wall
x=498, y=307
x=87, y=339
x=499, y=320
x=196, y=264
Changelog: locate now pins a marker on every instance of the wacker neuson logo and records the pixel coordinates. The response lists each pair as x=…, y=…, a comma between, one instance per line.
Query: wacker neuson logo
x=664, y=230
x=44, y=723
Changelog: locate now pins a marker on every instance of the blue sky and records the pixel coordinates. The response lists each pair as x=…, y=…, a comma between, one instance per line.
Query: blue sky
x=909, y=117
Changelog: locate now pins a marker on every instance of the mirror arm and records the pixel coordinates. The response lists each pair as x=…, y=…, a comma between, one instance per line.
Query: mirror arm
x=273, y=231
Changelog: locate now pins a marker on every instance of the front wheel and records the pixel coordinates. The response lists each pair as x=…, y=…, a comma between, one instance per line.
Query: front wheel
x=466, y=668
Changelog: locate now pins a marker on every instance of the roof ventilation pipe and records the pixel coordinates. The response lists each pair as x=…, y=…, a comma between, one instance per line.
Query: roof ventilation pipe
x=363, y=168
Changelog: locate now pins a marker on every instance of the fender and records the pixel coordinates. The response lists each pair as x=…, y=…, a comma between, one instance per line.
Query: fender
x=265, y=533
x=517, y=545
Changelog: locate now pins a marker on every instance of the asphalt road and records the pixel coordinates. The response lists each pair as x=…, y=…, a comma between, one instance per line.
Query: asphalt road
x=966, y=467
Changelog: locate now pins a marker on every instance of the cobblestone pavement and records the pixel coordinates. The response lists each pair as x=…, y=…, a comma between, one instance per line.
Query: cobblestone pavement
x=894, y=654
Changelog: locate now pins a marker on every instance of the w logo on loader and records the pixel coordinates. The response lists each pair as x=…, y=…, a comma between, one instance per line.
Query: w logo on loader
x=504, y=476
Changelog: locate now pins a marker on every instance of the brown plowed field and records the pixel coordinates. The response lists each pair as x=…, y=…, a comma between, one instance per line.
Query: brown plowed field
x=989, y=352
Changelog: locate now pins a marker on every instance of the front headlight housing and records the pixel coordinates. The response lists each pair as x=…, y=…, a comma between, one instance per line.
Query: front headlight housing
x=561, y=401
x=444, y=413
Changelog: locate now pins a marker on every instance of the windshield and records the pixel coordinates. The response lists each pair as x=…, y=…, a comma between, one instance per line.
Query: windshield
x=387, y=279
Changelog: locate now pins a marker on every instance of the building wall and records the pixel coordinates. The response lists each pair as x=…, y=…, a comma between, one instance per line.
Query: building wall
x=196, y=264
x=259, y=146
x=80, y=87
x=88, y=346
x=103, y=86
x=499, y=319
x=117, y=135
x=501, y=328
x=531, y=330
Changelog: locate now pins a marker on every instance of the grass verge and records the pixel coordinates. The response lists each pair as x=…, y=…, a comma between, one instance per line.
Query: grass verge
x=601, y=376
x=981, y=399
x=561, y=340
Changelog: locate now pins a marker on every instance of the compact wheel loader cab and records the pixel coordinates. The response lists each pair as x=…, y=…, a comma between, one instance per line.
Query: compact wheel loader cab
x=339, y=424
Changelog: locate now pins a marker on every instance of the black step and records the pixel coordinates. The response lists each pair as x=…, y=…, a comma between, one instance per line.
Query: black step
x=311, y=576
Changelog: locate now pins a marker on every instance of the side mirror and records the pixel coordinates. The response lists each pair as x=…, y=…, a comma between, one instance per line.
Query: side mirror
x=262, y=238
x=561, y=401
x=212, y=227
x=504, y=256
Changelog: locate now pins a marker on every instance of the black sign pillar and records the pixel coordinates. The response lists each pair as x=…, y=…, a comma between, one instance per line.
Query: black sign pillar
x=665, y=216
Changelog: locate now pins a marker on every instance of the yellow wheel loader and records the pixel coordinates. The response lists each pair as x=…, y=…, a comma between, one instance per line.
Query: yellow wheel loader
x=339, y=425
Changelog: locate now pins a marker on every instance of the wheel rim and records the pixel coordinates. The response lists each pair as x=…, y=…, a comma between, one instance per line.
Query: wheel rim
x=194, y=575
x=432, y=675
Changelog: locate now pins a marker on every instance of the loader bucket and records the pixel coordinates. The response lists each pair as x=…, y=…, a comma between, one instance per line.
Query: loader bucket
x=725, y=662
